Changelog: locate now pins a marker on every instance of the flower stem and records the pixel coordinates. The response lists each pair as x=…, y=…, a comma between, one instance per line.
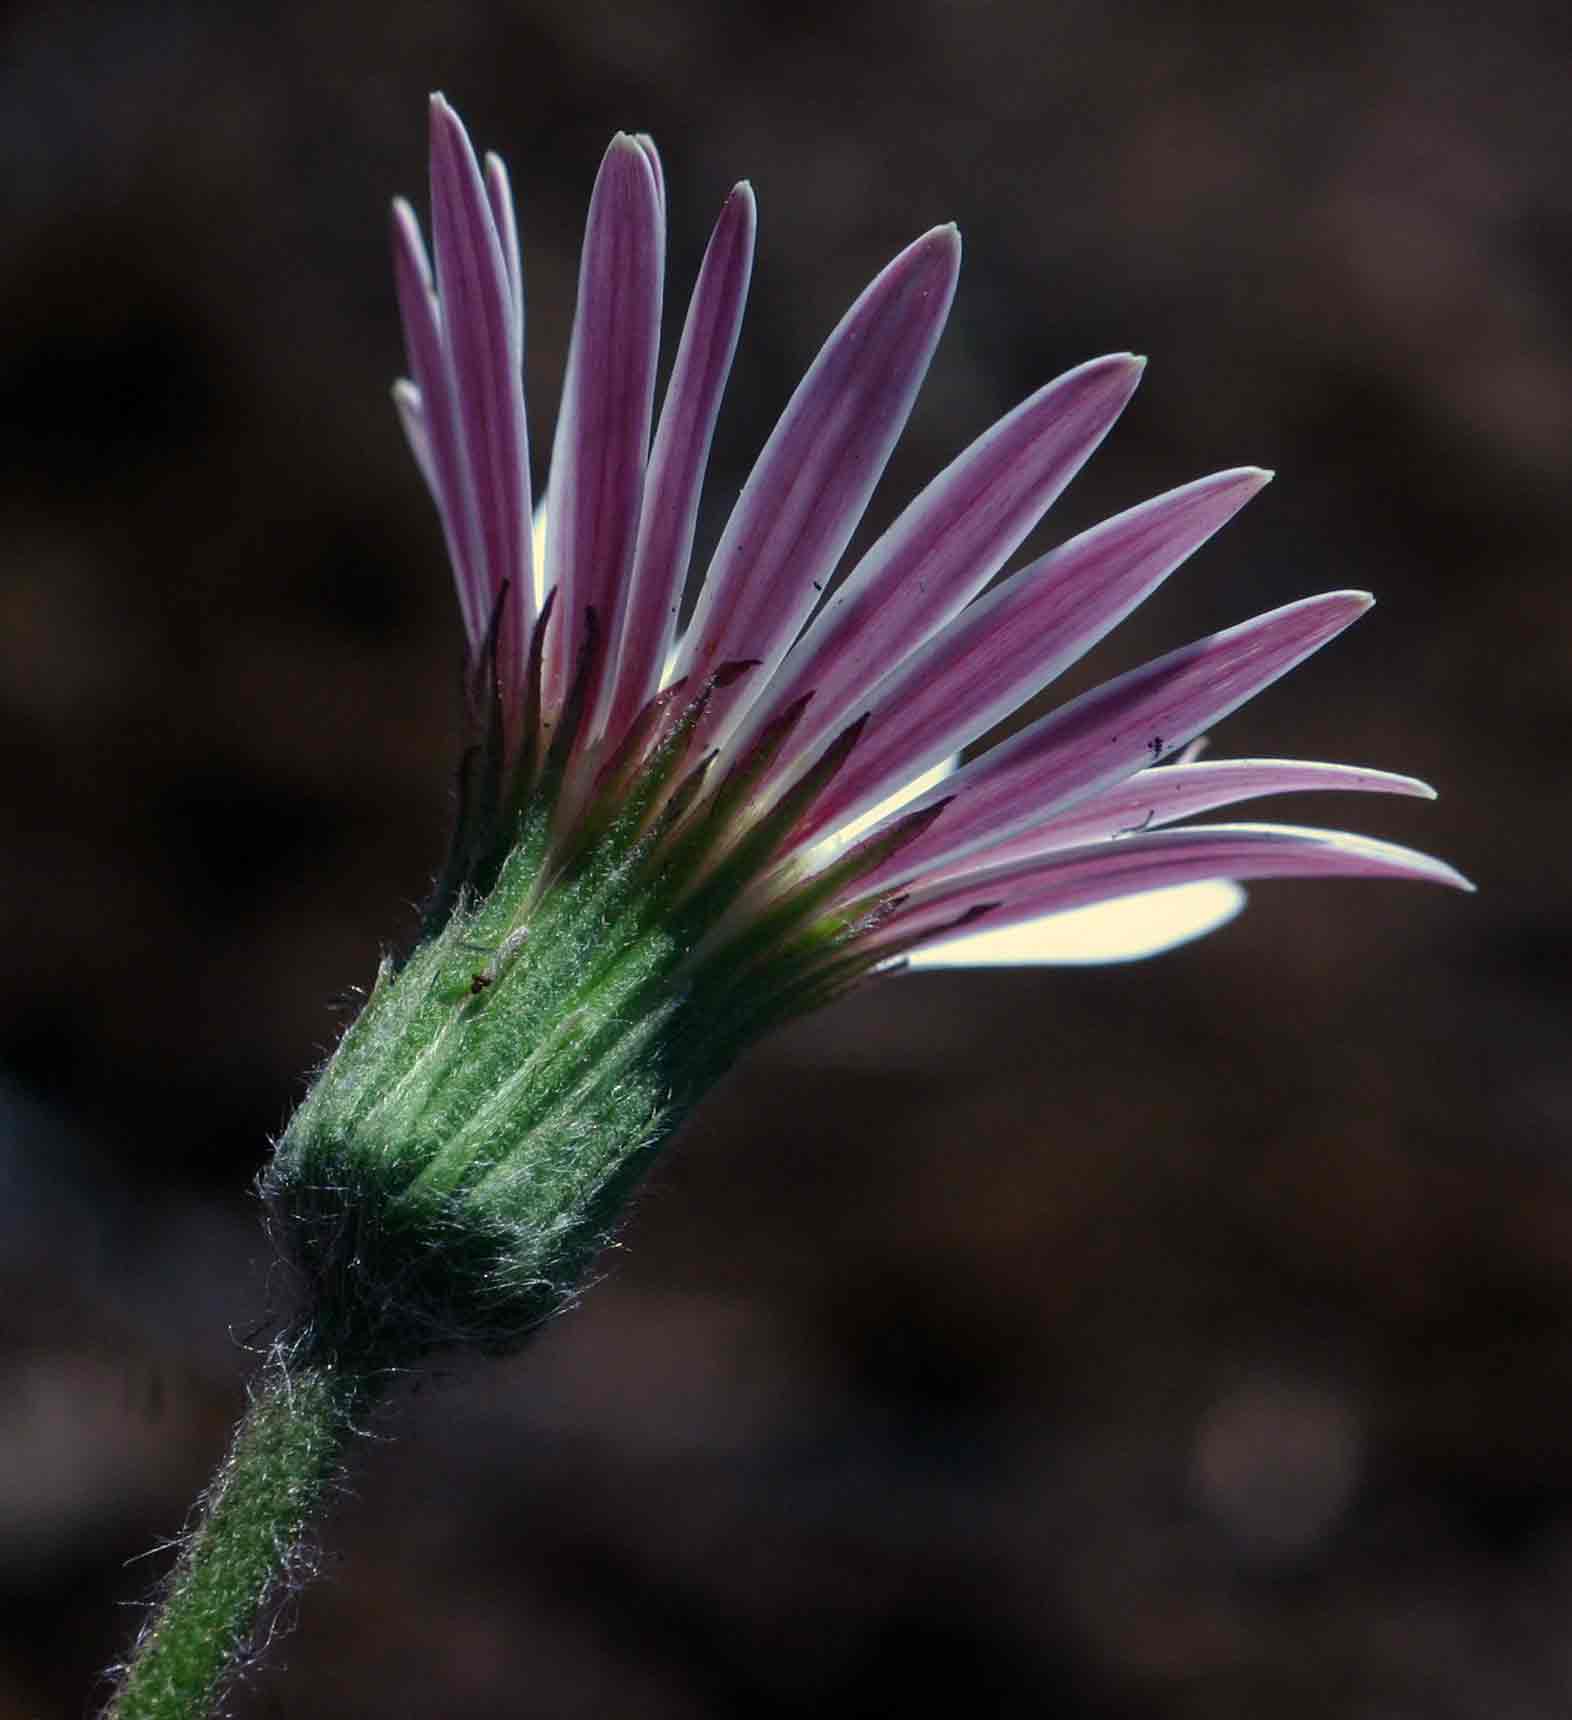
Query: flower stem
x=247, y=1545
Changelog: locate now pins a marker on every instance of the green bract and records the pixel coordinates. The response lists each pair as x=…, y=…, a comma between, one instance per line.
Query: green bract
x=482, y=1120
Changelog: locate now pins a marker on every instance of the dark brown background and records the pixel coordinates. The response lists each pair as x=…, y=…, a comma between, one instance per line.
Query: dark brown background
x=1190, y=1339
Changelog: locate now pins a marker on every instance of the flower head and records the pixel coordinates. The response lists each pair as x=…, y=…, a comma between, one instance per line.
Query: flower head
x=669, y=841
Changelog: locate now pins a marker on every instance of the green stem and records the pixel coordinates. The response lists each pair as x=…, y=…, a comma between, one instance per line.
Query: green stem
x=247, y=1544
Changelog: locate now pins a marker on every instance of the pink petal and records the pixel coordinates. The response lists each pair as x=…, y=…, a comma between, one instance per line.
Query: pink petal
x=820, y=465
x=652, y=156
x=1013, y=642
x=603, y=425
x=1073, y=877
x=1154, y=797
x=482, y=340
x=428, y=366
x=944, y=548
x=1104, y=735
x=499, y=194
x=675, y=477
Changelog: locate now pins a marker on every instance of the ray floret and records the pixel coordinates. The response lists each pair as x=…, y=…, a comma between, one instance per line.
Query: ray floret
x=670, y=839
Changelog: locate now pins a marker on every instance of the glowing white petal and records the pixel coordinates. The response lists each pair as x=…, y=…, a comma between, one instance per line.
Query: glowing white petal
x=538, y=538
x=1124, y=930
x=848, y=833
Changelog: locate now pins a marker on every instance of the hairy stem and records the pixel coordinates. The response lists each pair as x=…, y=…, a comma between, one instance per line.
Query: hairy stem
x=246, y=1546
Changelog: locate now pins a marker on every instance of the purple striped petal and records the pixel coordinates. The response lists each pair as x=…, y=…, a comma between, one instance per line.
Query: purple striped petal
x=1013, y=642
x=481, y=338
x=820, y=465
x=652, y=156
x=1152, y=798
x=428, y=366
x=1104, y=735
x=944, y=548
x=499, y=194
x=1074, y=877
x=603, y=425
x=679, y=457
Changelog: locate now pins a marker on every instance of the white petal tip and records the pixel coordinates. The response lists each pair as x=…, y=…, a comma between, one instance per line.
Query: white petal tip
x=1349, y=606
x=1127, y=929
x=1426, y=869
x=444, y=118
x=1123, y=369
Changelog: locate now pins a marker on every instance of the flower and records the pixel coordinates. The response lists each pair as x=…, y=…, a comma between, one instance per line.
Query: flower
x=668, y=841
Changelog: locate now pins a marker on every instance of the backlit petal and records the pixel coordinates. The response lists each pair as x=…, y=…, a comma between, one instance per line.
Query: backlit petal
x=1013, y=642
x=1126, y=929
x=603, y=427
x=819, y=467
x=943, y=550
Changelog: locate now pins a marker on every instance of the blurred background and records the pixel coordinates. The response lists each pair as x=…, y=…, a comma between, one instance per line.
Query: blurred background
x=1190, y=1339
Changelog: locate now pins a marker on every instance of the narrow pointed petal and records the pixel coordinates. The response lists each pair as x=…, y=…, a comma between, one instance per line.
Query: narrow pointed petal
x=947, y=545
x=1100, y=871
x=1126, y=929
x=1104, y=735
x=1013, y=642
x=680, y=455
x=603, y=425
x=652, y=156
x=499, y=194
x=428, y=366
x=820, y=465
x=1155, y=797
x=412, y=420
x=482, y=337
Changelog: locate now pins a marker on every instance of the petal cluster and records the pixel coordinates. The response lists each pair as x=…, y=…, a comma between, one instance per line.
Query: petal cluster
x=780, y=772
